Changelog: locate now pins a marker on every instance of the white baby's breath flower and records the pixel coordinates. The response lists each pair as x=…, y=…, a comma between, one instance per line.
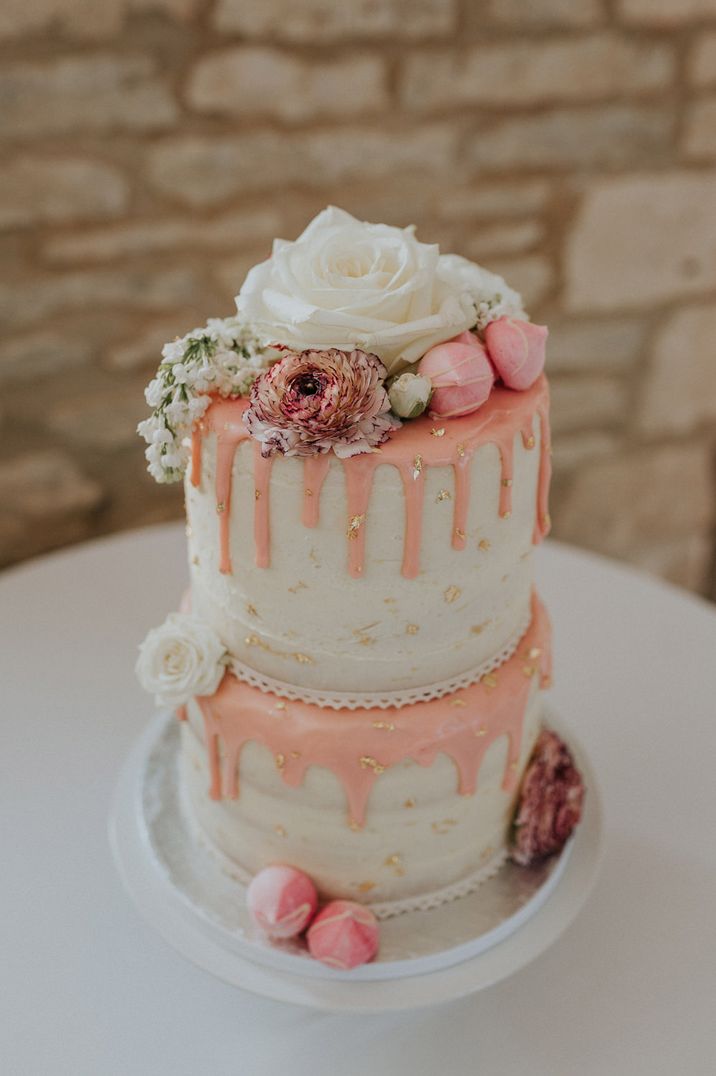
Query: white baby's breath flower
x=181, y=658
x=224, y=358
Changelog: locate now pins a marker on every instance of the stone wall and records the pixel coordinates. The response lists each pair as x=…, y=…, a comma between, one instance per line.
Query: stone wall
x=152, y=148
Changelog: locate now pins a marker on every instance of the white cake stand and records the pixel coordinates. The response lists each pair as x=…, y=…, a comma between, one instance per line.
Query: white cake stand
x=183, y=890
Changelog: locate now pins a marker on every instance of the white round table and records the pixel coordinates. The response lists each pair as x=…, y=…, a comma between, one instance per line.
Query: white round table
x=89, y=990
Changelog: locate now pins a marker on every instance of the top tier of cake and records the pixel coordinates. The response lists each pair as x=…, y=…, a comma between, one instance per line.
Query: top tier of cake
x=400, y=573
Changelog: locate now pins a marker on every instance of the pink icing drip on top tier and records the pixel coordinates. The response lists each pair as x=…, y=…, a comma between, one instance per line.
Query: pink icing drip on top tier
x=358, y=745
x=418, y=445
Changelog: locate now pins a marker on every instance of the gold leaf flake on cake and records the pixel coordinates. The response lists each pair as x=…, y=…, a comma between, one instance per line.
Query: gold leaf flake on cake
x=460, y=449
x=507, y=482
x=477, y=629
x=251, y=609
x=221, y=507
x=304, y=659
x=280, y=705
x=505, y=515
x=280, y=831
x=452, y=594
x=437, y=432
x=295, y=754
x=417, y=467
x=280, y=761
x=354, y=525
x=444, y=826
x=257, y=494
x=308, y=492
x=458, y=702
x=489, y=680
x=412, y=629
x=443, y=495
x=365, y=887
x=460, y=534
x=300, y=585
x=481, y=732
x=530, y=442
x=529, y=670
x=367, y=762
x=484, y=544
x=395, y=861
x=188, y=531
x=195, y=560
x=387, y=725
x=409, y=803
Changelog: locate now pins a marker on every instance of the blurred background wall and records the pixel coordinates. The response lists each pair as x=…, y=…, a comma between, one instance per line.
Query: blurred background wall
x=152, y=149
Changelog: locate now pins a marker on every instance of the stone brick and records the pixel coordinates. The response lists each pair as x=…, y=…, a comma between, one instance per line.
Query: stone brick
x=531, y=275
x=508, y=199
x=156, y=236
x=640, y=240
x=587, y=402
x=144, y=289
x=45, y=500
x=577, y=449
x=144, y=349
x=204, y=171
x=679, y=391
x=700, y=129
x=314, y=21
x=82, y=18
x=702, y=60
x=613, y=135
x=608, y=345
x=536, y=72
x=253, y=81
x=87, y=421
x=57, y=190
x=94, y=92
x=34, y=355
x=536, y=13
x=665, y=13
x=650, y=497
x=504, y=239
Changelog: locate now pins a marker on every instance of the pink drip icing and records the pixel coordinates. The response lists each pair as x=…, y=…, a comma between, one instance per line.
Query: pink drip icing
x=262, y=477
x=196, y=435
x=315, y=469
x=461, y=471
x=359, y=471
x=422, y=443
x=358, y=745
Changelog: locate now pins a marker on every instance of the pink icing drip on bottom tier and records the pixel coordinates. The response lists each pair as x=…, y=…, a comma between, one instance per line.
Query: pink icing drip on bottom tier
x=359, y=745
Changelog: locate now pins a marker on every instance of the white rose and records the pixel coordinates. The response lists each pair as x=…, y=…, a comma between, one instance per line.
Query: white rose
x=491, y=295
x=345, y=284
x=181, y=658
x=410, y=394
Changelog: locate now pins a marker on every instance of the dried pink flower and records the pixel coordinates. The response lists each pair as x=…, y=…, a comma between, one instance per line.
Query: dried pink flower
x=313, y=401
x=550, y=801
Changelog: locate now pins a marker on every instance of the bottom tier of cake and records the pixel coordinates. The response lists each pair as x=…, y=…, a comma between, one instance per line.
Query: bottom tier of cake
x=375, y=805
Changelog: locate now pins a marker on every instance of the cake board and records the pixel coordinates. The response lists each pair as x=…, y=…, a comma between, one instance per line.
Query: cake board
x=183, y=889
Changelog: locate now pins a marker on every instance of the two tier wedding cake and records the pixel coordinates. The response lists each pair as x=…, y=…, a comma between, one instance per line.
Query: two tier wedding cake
x=359, y=661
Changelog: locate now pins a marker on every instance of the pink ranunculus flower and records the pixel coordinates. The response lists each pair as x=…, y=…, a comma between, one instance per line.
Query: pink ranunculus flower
x=550, y=801
x=314, y=401
x=517, y=350
x=461, y=375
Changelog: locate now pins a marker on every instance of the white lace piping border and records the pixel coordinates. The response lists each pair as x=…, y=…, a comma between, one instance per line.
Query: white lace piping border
x=382, y=700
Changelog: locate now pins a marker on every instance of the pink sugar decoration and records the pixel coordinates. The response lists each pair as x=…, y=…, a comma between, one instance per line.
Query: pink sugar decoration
x=343, y=935
x=517, y=350
x=550, y=801
x=461, y=375
x=282, y=901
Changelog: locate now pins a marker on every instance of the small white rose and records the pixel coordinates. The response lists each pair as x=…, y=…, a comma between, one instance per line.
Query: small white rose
x=181, y=658
x=409, y=395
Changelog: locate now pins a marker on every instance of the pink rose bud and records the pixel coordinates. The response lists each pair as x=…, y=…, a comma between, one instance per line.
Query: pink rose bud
x=461, y=375
x=281, y=901
x=517, y=349
x=343, y=935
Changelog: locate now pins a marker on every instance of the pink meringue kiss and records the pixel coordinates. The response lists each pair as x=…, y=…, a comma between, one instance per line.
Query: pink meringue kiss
x=281, y=901
x=461, y=375
x=517, y=349
x=343, y=935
